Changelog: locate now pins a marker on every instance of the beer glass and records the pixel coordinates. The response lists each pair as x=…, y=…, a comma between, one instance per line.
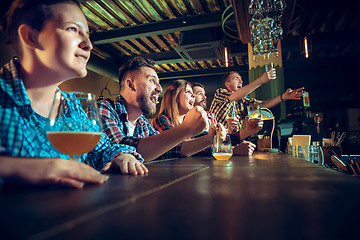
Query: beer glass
x=222, y=149
x=254, y=115
x=74, y=127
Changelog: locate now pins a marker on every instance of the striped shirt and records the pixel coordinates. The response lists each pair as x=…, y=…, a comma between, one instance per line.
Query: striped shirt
x=221, y=105
x=22, y=130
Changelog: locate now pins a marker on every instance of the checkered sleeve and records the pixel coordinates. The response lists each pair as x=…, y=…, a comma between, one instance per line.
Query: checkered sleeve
x=162, y=123
x=211, y=118
x=220, y=105
x=113, y=127
x=105, y=152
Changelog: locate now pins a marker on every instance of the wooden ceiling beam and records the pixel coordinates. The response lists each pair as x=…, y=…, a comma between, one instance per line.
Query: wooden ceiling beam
x=242, y=17
x=187, y=23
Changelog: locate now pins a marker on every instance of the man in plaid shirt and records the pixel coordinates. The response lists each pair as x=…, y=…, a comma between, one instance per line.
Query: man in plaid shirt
x=241, y=147
x=235, y=91
x=127, y=124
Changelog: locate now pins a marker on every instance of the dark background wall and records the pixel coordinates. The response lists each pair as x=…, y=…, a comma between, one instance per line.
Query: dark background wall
x=334, y=92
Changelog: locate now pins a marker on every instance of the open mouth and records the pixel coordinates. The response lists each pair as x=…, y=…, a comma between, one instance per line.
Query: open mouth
x=191, y=103
x=154, y=99
x=203, y=103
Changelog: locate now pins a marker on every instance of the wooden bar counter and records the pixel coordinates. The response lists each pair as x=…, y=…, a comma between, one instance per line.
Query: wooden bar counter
x=264, y=196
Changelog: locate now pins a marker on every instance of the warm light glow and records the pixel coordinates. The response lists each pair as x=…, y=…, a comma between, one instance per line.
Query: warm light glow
x=306, y=47
x=226, y=56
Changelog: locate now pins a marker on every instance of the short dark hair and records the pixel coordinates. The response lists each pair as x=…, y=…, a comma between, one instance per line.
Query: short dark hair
x=31, y=12
x=226, y=76
x=196, y=84
x=135, y=63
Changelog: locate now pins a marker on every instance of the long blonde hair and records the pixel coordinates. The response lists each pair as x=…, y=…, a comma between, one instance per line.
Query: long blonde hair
x=169, y=104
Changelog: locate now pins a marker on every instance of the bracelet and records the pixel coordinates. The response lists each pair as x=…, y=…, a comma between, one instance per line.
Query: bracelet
x=282, y=98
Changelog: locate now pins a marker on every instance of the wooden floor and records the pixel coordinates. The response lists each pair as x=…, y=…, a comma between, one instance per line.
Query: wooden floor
x=266, y=196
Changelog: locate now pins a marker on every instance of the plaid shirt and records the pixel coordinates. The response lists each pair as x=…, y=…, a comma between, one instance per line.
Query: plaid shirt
x=23, y=130
x=162, y=123
x=211, y=118
x=221, y=105
x=115, y=123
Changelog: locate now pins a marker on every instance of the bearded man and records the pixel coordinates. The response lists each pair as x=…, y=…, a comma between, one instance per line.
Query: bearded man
x=127, y=122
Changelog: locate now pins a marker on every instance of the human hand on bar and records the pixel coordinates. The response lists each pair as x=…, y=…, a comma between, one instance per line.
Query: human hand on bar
x=127, y=164
x=293, y=94
x=48, y=171
x=245, y=148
